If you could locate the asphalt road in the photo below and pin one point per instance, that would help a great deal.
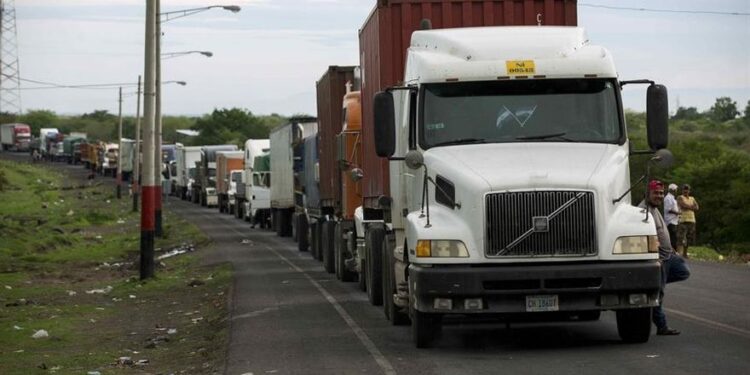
(290, 317)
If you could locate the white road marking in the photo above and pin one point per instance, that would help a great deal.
(707, 322)
(380, 359)
(383, 362)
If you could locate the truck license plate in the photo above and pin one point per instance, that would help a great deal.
(542, 303)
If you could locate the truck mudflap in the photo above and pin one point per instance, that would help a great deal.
(472, 289)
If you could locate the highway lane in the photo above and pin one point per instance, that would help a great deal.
(290, 317)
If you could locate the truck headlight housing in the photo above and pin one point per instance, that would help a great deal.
(441, 249)
(632, 245)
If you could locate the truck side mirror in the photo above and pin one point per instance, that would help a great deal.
(385, 127)
(657, 117)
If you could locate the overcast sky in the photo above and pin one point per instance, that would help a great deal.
(268, 57)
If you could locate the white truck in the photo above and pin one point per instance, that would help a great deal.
(510, 184)
(47, 136)
(185, 158)
(282, 140)
(243, 197)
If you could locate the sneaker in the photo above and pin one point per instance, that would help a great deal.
(666, 331)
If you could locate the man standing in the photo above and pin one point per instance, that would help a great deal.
(673, 267)
(686, 230)
(672, 214)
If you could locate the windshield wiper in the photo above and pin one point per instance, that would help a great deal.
(545, 136)
(461, 141)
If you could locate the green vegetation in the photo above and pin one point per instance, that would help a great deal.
(712, 154)
(68, 265)
(221, 126)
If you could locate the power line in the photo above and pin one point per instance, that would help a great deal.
(665, 10)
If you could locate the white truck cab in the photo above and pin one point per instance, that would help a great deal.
(510, 181)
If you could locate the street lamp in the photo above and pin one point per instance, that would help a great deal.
(161, 18)
(171, 55)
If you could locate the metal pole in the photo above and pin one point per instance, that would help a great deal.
(149, 185)
(157, 126)
(119, 148)
(136, 178)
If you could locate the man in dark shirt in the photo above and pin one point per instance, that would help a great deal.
(673, 267)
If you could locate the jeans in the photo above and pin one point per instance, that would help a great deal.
(673, 269)
(672, 229)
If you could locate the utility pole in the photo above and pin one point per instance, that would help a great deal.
(157, 125)
(136, 178)
(149, 185)
(119, 148)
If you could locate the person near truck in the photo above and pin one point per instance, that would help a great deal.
(672, 214)
(673, 267)
(686, 229)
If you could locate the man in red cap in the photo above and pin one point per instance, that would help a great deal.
(673, 267)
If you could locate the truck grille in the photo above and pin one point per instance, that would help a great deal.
(540, 224)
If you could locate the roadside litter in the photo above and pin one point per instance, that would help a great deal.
(182, 249)
(100, 291)
(40, 334)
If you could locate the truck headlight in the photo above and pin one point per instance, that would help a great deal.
(441, 249)
(631, 245)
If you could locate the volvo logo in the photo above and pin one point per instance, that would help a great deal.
(540, 224)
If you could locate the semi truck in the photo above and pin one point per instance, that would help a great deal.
(259, 209)
(283, 139)
(243, 197)
(504, 159)
(70, 144)
(324, 208)
(185, 159)
(204, 186)
(226, 163)
(15, 137)
(47, 136)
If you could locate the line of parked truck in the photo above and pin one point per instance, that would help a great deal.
(476, 163)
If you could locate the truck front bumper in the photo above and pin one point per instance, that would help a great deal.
(505, 288)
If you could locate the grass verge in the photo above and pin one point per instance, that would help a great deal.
(68, 265)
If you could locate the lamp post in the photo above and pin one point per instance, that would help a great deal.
(119, 145)
(149, 184)
(161, 18)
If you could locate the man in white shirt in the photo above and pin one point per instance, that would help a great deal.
(672, 214)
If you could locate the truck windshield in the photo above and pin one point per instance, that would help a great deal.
(548, 110)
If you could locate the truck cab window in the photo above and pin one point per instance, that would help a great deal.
(549, 110)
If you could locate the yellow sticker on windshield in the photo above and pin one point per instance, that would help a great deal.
(520, 67)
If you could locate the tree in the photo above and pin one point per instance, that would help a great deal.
(99, 115)
(689, 113)
(747, 113)
(229, 126)
(724, 109)
(40, 118)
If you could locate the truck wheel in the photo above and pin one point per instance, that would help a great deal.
(295, 226)
(362, 277)
(327, 239)
(634, 325)
(373, 245)
(302, 241)
(285, 223)
(339, 245)
(424, 327)
(392, 312)
(313, 237)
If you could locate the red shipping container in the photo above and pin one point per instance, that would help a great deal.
(331, 89)
(386, 35)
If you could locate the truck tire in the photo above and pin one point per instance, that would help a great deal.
(392, 312)
(425, 327)
(634, 325)
(339, 245)
(314, 243)
(285, 223)
(374, 237)
(295, 227)
(327, 239)
(362, 277)
(303, 243)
